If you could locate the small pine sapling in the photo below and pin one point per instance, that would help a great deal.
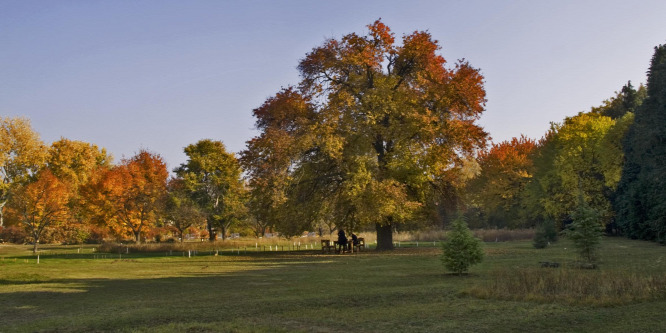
(461, 250)
(586, 231)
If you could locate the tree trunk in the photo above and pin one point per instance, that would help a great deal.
(2, 207)
(137, 237)
(211, 232)
(384, 236)
(34, 248)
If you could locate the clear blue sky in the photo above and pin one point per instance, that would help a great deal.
(159, 75)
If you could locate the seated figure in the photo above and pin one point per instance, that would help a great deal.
(342, 239)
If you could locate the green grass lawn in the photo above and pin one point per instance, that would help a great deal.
(403, 290)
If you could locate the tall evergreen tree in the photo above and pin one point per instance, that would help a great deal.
(641, 197)
(626, 100)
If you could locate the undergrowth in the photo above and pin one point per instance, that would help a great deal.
(571, 286)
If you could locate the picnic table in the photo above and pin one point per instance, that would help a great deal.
(327, 247)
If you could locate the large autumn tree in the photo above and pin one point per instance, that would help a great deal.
(22, 154)
(212, 176)
(382, 127)
(126, 198)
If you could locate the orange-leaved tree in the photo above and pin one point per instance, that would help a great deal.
(268, 158)
(76, 163)
(126, 197)
(506, 169)
(41, 204)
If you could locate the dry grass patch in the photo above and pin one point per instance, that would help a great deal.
(504, 235)
(486, 235)
(571, 286)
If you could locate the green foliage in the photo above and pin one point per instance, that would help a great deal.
(179, 209)
(461, 249)
(641, 195)
(545, 234)
(212, 178)
(583, 153)
(586, 231)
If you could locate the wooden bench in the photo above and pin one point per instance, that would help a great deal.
(360, 244)
(326, 246)
(350, 247)
(341, 248)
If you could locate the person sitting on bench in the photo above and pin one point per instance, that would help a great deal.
(342, 240)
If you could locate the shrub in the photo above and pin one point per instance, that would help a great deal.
(461, 250)
(545, 234)
(13, 234)
(73, 234)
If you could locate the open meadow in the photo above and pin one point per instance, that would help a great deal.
(74, 289)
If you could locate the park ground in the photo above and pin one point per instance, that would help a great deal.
(74, 289)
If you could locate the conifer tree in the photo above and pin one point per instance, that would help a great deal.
(585, 230)
(641, 196)
(461, 250)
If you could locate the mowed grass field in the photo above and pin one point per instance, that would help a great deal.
(399, 291)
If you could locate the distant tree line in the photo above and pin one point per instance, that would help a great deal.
(614, 156)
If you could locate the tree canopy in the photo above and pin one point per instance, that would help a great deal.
(22, 154)
(127, 197)
(212, 177)
(499, 189)
(377, 127)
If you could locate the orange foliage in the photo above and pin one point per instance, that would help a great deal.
(126, 197)
(41, 204)
(508, 156)
(505, 171)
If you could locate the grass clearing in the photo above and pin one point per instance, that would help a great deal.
(406, 289)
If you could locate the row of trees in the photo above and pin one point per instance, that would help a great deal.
(523, 182)
(375, 135)
(72, 192)
(611, 159)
